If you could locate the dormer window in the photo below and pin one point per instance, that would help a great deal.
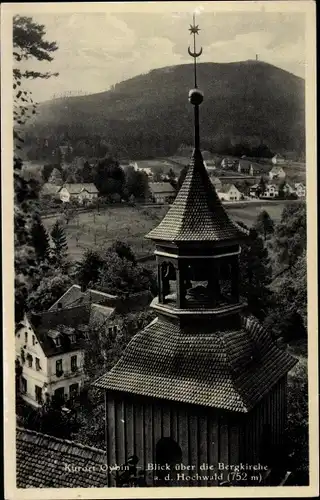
(57, 341)
(73, 338)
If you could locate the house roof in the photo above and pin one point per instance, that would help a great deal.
(225, 188)
(75, 297)
(276, 169)
(49, 188)
(45, 461)
(161, 187)
(59, 320)
(196, 213)
(230, 369)
(78, 188)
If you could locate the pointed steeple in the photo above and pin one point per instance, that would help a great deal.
(197, 213)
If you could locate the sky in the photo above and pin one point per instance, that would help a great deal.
(98, 50)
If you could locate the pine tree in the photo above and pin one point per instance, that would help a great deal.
(60, 242)
(264, 224)
(256, 273)
(40, 240)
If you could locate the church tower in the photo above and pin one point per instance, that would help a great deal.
(203, 387)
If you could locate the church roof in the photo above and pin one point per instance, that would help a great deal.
(230, 369)
(197, 213)
(45, 462)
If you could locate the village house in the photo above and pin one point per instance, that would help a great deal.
(278, 160)
(277, 173)
(300, 189)
(210, 165)
(82, 193)
(229, 192)
(271, 191)
(103, 307)
(286, 188)
(49, 189)
(50, 345)
(161, 192)
(50, 350)
(228, 163)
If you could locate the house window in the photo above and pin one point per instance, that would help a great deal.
(24, 385)
(58, 341)
(26, 337)
(73, 390)
(38, 394)
(33, 340)
(30, 359)
(38, 364)
(73, 363)
(59, 367)
(72, 338)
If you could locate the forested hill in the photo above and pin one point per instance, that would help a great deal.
(150, 114)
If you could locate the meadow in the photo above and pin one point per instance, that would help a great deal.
(98, 230)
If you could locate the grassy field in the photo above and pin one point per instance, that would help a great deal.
(131, 224)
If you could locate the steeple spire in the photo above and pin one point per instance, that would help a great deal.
(195, 95)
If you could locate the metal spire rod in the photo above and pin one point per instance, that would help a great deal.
(195, 95)
(194, 30)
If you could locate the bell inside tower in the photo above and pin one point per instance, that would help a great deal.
(193, 283)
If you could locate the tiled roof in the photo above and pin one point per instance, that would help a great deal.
(48, 462)
(161, 187)
(197, 213)
(230, 369)
(77, 188)
(45, 322)
(49, 188)
(225, 188)
(74, 296)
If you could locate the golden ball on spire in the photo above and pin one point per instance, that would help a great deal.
(195, 97)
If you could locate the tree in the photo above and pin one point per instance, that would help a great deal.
(40, 240)
(28, 43)
(55, 177)
(87, 173)
(298, 423)
(171, 175)
(290, 237)
(123, 250)
(47, 171)
(50, 289)
(264, 224)
(157, 174)
(136, 183)
(88, 269)
(59, 241)
(109, 177)
(182, 176)
(122, 277)
(281, 191)
(255, 275)
(261, 187)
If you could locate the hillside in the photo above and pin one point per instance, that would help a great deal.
(150, 114)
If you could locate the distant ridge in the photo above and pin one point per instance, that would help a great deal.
(243, 101)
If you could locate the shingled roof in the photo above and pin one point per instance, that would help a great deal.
(48, 462)
(230, 369)
(197, 213)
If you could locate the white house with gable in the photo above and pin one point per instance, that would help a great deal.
(81, 193)
(229, 192)
(51, 358)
